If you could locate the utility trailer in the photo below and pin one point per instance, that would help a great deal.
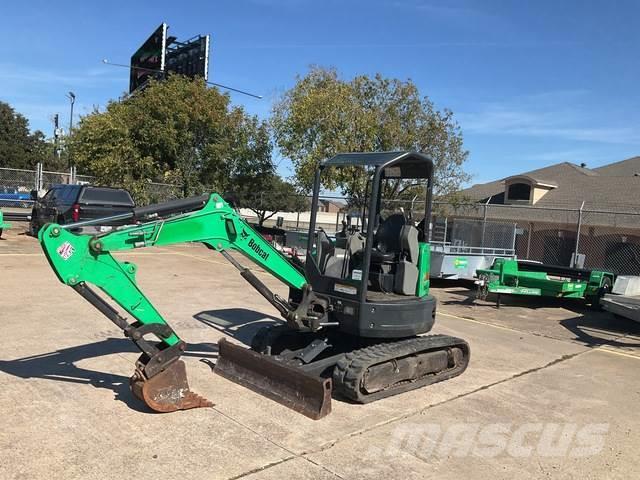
(520, 277)
(624, 301)
(461, 247)
(456, 262)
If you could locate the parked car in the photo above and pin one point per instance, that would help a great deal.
(65, 204)
(13, 197)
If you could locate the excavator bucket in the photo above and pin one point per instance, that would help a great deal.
(168, 390)
(287, 385)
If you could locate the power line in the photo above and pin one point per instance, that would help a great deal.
(151, 70)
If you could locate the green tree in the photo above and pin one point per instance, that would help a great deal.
(19, 148)
(175, 131)
(275, 195)
(323, 115)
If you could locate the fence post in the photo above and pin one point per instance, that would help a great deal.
(575, 254)
(38, 180)
(484, 221)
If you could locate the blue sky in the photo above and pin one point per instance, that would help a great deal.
(530, 82)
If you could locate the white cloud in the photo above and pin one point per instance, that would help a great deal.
(18, 75)
(549, 114)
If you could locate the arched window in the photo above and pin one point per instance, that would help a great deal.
(519, 191)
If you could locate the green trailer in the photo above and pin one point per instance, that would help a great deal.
(519, 277)
(3, 225)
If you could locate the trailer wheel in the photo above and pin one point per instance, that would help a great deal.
(606, 287)
(482, 291)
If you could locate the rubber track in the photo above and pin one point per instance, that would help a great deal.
(348, 373)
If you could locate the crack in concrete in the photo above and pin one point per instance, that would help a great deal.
(260, 469)
(327, 446)
(293, 455)
(330, 445)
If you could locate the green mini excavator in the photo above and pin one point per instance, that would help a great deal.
(354, 316)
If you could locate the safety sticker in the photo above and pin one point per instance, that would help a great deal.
(65, 250)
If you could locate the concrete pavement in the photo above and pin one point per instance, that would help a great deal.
(551, 391)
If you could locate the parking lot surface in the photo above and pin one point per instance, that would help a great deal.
(552, 390)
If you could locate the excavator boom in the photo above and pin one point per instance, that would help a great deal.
(83, 261)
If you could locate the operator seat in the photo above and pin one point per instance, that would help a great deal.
(325, 250)
(406, 277)
(386, 242)
(385, 252)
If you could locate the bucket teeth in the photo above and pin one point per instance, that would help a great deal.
(167, 391)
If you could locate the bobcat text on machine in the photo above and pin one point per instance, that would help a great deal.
(355, 313)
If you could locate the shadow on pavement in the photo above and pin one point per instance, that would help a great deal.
(60, 366)
(468, 297)
(594, 330)
(239, 323)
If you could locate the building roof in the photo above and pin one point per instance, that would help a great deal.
(624, 168)
(613, 187)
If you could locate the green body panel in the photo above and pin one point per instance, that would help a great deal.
(4, 225)
(84, 258)
(424, 262)
(505, 277)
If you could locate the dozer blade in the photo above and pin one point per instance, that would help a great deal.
(168, 390)
(287, 385)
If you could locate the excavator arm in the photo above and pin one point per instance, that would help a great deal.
(83, 261)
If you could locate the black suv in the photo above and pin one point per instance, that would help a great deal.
(73, 203)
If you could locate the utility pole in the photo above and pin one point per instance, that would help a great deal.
(72, 98)
(57, 133)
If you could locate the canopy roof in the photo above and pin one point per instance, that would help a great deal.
(411, 164)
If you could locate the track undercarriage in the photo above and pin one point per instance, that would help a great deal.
(354, 368)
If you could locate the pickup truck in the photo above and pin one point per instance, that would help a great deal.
(12, 197)
(65, 204)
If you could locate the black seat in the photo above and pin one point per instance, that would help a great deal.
(386, 241)
(380, 257)
(325, 250)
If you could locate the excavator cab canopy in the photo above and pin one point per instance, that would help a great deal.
(402, 164)
(386, 262)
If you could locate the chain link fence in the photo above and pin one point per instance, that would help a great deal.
(17, 184)
(606, 240)
(593, 239)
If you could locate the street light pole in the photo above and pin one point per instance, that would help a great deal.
(72, 98)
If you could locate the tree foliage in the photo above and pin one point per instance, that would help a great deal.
(19, 148)
(274, 195)
(176, 131)
(323, 115)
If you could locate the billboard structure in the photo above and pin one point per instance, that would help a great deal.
(190, 58)
(160, 54)
(149, 59)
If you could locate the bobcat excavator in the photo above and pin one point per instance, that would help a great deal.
(354, 316)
